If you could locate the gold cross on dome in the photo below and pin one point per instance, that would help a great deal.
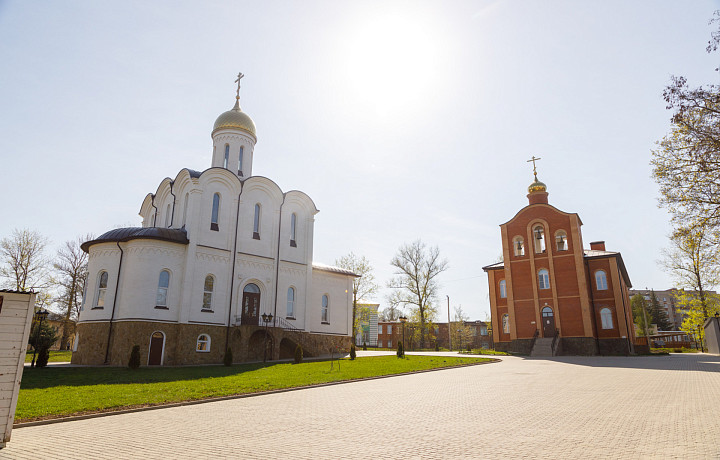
(533, 159)
(240, 75)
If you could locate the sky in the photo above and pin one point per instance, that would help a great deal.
(401, 120)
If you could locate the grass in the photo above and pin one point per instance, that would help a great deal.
(55, 356)
(484, 351)
(57, 392)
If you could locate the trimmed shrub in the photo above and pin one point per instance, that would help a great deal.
(353, 355)
(228, 358)
(437, 346)
(134, 362)
(43, 357)
(364, 346)
(400, 351)
(298, 355)
(469, 348)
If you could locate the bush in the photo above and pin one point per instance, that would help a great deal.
(364, 346)
(134, 362)
(228, 359)
(437, 346)
(43, 357)
(299, 355)
(400, 351)
(678, 350)
(469, 348)
(353, 355)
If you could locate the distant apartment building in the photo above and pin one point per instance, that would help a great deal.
(367, 331)
(668, 301)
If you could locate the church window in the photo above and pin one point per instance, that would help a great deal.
(256, 222)
(506, 324)
(76, 341)
(293, 225)
(185, 208)
(519, 246)
(162, 290)
(167, 216)
(203, 343)
(215, 212)
(561, 240)
(208, 293)
(291, 302)
(240, 160)
(227, 156)
(503, 289)
(389, 344)
(601, 280)
(539, 237)
(543, 279)
(606, 318)
(324, 311)
(101, 289)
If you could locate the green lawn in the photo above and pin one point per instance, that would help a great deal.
(56, 392)
(55, 356)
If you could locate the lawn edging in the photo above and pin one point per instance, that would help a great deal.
(131, 409)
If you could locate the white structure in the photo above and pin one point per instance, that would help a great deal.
(217, 249)
(16, 312)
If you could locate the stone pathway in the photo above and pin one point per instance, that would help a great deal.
(570, 407)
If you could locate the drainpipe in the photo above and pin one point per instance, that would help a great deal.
(152, 203)
(232, 273)
(112, 315)
(277, 260)
(172, 214)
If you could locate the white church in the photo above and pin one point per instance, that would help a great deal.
(219, 251)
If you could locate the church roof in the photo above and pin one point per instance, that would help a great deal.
(172, 235)
(330, 268)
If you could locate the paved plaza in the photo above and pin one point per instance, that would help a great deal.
(570, 407)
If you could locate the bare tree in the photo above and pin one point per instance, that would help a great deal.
(22, 260)
(415, 283)
(460, 331)
(363, 286)
(70, 277)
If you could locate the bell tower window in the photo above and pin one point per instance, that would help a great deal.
(240, 160)
(561, 240)
(539, 237)
(519, 246)
(227, 156)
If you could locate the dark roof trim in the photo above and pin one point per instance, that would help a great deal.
(607, 255)
(172, 235)
(495, 266)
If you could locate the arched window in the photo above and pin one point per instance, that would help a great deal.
(606, 318)
(227, 156)
(519, 246)
(506, 324)
(539, 237)
(208, 293)
(256, 222)
(185, 208)
(101, 289)
(240, 159)
(291, 302)
(215, 212)
(503, 289)
(601, 280)
(561, 240)
(293, 225)
(203, 343)
(543, 279)
(162, 290)
(76, 341)
(324, 310)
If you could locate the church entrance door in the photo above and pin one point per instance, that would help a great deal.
(548, 321)
(157, 340)
(251, 305)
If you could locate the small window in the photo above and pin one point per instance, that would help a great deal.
(167, 216)
(162, 290)
(506, 324)
(543, 279)
(76, 341)
(324, 311)
(208, 293)
(215, 213)
(539, 237)
(561, 240)
(601, 280)
(227, 156)
(380, 344)
(606, 318)
(389, 344)
(185, 208)
(519, 246)
(293, 225)
(291, 302)
(256, 222)
(203, 343)
(101, 289)
(240, 161)
(503, 289)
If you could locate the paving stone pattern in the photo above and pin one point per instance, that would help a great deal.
(569, 407)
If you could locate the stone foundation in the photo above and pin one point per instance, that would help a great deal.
(571, 346)
(577, 346)
(521, 346)
(614, 347)
(246, 342)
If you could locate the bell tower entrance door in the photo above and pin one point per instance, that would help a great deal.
(548, 322)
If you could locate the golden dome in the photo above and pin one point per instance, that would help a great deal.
(537, 186)
(235, 119)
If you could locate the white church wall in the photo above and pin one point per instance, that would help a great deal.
(293, 275)
(218, 181)
(264, 192)
(215, 262)
(102, 257)
(338, 289)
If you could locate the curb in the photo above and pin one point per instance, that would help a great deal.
(73, 418)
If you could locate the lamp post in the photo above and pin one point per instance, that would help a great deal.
(402, 320)
(449, 335)
(41, 315)
(266, 317)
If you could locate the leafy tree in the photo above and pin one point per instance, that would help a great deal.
(41, 339)
(22, 260)
(640, 316)
(390, 313)
(657, 314)
(686, 162)
(415, 283)
(695, 311)
(363, 286)
(70, 277)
